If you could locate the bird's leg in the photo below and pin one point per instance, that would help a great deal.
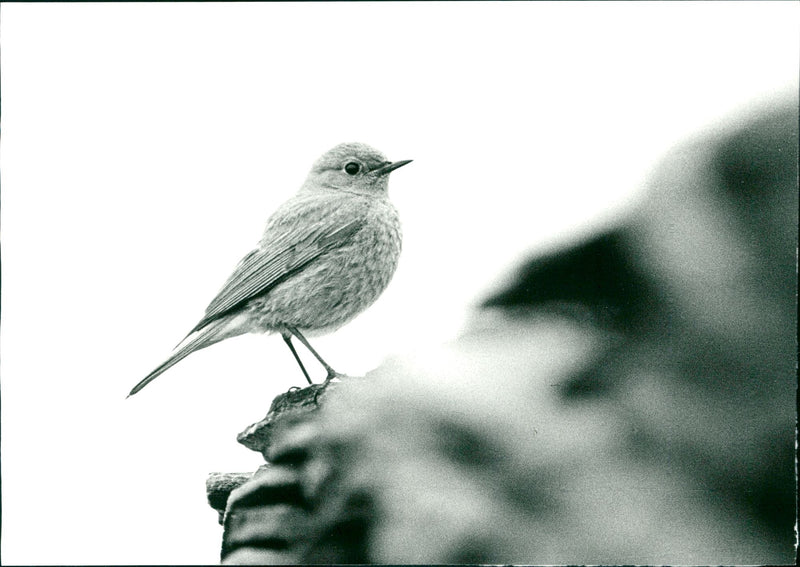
(331, 372)
(288, 339)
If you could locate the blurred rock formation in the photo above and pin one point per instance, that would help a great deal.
(629, 400)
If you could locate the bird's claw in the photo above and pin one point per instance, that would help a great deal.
(333, 375)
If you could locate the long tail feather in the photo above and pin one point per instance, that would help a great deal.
(212, 333)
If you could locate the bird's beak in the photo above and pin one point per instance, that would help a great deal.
(391, 166)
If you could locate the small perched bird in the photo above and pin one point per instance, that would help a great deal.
(326, 255)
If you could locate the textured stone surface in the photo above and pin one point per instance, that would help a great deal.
(219, 487)
(287, 408)
(265, 518)
(271, 518)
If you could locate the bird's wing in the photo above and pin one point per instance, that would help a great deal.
(277, 258)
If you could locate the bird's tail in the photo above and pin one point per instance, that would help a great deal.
(207, 336)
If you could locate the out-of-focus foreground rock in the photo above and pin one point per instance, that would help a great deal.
(628, 400)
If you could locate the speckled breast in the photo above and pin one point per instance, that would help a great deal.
(338, 285)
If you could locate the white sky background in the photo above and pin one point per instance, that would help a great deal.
(145, 145)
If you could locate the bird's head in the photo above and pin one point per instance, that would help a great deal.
(352, 167)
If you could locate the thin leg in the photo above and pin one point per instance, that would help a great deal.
(288, 339)
(331, 372)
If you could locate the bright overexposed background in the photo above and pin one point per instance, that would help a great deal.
(144, 146)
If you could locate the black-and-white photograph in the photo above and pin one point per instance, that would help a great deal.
(399, 282)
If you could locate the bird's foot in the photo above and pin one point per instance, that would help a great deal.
(333, 375)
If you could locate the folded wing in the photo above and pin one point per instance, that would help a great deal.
(276, 259)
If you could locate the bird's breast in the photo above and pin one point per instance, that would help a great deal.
(345, 280)
(368, 262)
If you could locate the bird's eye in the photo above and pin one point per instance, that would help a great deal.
(352, 168)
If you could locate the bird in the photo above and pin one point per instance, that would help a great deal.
(326, 254)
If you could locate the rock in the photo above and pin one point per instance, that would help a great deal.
(220, 485)
(286, 409)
